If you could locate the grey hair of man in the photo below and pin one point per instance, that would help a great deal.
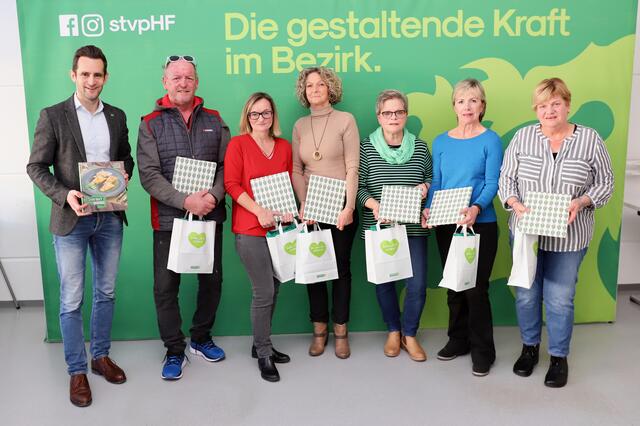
(166, 65)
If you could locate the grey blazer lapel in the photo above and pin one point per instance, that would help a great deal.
(74, 126)
(112, 123)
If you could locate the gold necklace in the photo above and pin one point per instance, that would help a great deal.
(316, 154)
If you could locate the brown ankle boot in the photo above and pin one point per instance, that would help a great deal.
(341, 336)
(392, 346)
(413, 348)
(320, 337)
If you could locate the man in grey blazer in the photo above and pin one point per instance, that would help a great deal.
(80, 129)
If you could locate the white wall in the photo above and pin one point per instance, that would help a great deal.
(629, 272)
(19, 251)
(18, 234)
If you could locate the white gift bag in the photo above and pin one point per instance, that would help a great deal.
(282, 247)
(461, 267)
(387, 254)
(315, 256)
(525, 259)
(191, 249)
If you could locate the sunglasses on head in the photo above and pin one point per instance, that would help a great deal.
(176, 58)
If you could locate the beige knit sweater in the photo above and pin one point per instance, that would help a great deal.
(340, 149)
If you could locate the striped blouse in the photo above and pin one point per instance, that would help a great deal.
(375, 172)
(581, 167)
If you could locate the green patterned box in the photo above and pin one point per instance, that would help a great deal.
(191, 175)
(547, 215)
(325, 199)
(274, 192)
(446, 205)
(400, 203)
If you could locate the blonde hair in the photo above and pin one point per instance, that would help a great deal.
(330, 78)
(389, 94)
(550, 88)
(470, 85)
(245, 123)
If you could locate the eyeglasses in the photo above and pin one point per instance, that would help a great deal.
(176, 58)
(254, 116)
(401, 113)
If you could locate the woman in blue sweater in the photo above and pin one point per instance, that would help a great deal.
(469, 155)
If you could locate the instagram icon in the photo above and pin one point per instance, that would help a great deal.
(92, 25)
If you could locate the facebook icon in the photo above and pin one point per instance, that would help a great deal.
(68, 25)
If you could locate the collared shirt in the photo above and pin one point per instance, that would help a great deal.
(95, 132)
(581, 167)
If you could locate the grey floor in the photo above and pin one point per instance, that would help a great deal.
(368, 388)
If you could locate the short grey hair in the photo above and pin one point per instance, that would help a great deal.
(389, 94)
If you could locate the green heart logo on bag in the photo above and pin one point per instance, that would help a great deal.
(290, 248)
(390, 247)
(535, 248)
(318, 249)
(470, 255)
(197, 240)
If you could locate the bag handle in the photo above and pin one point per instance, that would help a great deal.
(465, 230)
(279, 227)
(189, 216)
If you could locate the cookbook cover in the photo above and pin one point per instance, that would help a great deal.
(104, 186)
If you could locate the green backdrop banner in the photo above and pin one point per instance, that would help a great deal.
(420, 47)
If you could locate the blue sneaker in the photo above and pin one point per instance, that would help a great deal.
(172, 369)
(207, 350)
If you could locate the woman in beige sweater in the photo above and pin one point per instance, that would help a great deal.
(327, 143)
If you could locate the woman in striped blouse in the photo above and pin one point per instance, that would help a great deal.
(393, 156)
(554, 156)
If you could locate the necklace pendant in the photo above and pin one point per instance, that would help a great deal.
(316, 155)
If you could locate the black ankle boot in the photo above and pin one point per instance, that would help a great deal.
(528, 359)
(268, 369)
(558, 372)
(278, 357)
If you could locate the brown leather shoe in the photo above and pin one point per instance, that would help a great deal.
(392, 346)
(320, 338)
(341, 336)
(107, 368)
(413, 348)
(79, 390)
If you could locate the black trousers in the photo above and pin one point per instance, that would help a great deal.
(470, 322)
(341, 291)
(166, 285)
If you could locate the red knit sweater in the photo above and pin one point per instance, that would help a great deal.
(244, 161)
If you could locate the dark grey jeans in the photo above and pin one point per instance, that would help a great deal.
(166, 286)
(254, 254)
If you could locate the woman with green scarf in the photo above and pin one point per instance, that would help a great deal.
(391, 155)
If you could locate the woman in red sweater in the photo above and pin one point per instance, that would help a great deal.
(255, 153)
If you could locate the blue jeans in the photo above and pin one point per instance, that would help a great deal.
(102, 234)
(416, 291)
(555, 285)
